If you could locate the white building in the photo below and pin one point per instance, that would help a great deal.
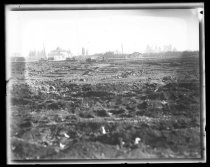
(59, 55)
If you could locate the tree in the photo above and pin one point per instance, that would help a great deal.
(32, 54)
(167, 48)
(109, 54)
(148, 49)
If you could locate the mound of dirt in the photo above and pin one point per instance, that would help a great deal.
(23, 150)
(101, 113)
(86, 115)
(117, 111)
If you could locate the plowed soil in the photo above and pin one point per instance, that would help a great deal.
(59, 109)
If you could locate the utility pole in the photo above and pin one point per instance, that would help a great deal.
(124, 55)
(122, 48)
(122, 51)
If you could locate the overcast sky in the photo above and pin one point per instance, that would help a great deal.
(101, 30)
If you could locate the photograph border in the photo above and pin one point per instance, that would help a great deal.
(41, 7)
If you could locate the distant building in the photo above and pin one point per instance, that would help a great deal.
(59, 55)
(135, 55)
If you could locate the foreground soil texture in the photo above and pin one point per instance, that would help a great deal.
(123, 109)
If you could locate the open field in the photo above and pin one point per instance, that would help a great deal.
(125, 109)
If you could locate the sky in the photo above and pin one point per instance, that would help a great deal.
(100, 31)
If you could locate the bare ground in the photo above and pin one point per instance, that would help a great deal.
(59, 108)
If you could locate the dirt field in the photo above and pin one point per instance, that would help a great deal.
(133, 109)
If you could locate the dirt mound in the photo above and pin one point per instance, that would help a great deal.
(143, 105)
(117, 111)
(101, 113)
(23, 150)
(86, 115)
